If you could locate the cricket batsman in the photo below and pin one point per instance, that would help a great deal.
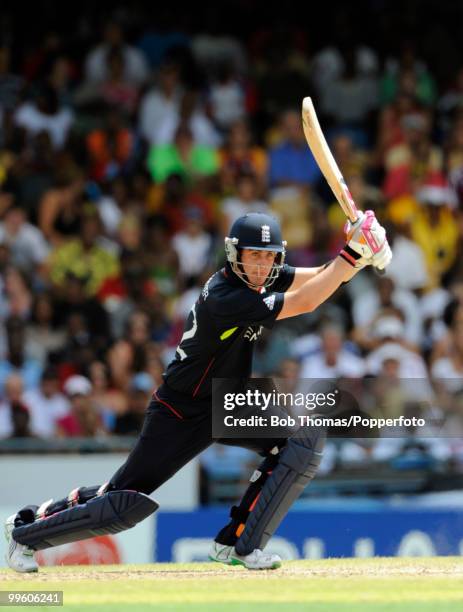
(254, 290)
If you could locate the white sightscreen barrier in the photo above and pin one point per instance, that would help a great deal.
(32, 479)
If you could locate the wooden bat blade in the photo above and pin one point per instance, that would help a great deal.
(325, 160)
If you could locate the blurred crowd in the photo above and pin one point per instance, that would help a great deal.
(122, 169)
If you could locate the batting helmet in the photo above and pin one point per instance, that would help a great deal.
(259, 232)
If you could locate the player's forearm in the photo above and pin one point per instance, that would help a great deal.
(302, 275)
(318, 289)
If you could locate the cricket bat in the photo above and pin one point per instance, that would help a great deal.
(326, 162)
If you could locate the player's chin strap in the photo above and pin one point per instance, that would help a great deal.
(87, 512)
(298, 462)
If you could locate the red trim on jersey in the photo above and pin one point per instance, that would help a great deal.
(203, 376)
(171, 408)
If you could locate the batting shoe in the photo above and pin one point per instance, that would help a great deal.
(18, 556)
(220, 553)
(257, 560)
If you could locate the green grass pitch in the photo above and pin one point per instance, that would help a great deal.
(331, 585)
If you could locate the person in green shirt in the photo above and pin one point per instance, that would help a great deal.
(183, 157)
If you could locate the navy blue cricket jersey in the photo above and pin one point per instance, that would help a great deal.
(220, 331)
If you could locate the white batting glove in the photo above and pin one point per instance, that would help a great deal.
(366, 236)
(366, 242)
(381, 259)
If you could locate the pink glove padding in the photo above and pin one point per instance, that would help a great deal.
(366, 236)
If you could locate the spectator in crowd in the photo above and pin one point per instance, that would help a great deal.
(435, 229)
(161, 322)
(17, 297)
(212, 49)
(138, 332)
(120, 295)
(451, 101)
(11, 84)
(154, 366)
(414, 162)
(328, 64)
(122, 196)
(120, 360)
(159, 45)
(239, 156)
(135, 67)
(110, 148)
(115, 91)
(59, 210)
(191, 114)
(386, 298)
(20, 420)
(447, 371)
(177, 198)
(108, 208)
(391, 127)
(140, 389)
(83, 257)
(161, 258)
(44, 337)
(350, 99)
(26, 242)
(61, 78)
(332, 359)
(161, 102)
(226, 98)
(282, 71)
(83, 419)
(16, 360)
(14, 413)
(44, 114)
(454, 157)
(389, 333)
(408, 74)
(408, 266)
(193, 246)
(73, 300)
(184, 157)
(245, 200)
(80, 347)
(46, 404)
(291, 162)
(110, 402)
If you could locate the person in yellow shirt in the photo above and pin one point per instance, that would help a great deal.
(84, 257)
(435, 230)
